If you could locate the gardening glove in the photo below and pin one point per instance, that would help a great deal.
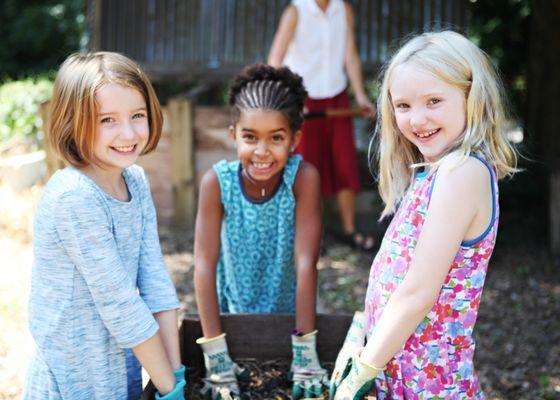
(357, 379)
(176, 394)
(180, 374)
(221, 373)
(308, 377)
(355, 339)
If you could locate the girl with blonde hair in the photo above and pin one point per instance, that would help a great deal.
(442, 148)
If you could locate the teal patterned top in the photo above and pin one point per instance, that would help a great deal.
(256, 270)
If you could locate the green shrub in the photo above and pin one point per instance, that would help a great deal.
(38, 35)
(20, 121)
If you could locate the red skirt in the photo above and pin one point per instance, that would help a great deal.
(328, 144)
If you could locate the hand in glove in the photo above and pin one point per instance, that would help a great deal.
(308, 376)
(221, 372)
(180, 374)
(355, 339)
(357, 379)
(176, 394)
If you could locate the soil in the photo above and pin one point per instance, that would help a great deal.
(517, 333)
(266, 381)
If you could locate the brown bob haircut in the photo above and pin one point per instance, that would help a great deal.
(74, 109)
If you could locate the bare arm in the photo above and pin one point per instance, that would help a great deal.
(153, 357)
(283, 36)
(169, 332)
(459, 195)
(354, 67)
(306, 245)
(206, 253)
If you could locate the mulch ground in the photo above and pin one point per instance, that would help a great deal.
(517, 332)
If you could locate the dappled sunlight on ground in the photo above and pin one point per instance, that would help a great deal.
(16, 344)
(518, 330)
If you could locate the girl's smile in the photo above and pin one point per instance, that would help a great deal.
(260, 168)
(264, 142)
(122, 126)
(424, 135)
(429, 112)
(124, 150)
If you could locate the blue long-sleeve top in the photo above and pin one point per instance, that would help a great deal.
(97, 279)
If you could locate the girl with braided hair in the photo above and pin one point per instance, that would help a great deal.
(258, 229)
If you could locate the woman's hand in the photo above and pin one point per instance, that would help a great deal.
(367, 107)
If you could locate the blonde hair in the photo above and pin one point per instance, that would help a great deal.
(454, 59)
(74, 108)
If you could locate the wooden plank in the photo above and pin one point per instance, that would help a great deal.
(170, 33)
(95, 26)
(264, 336)
(176, 38)
(182, 161)
(554, 211)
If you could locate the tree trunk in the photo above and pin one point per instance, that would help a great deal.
(544, 105)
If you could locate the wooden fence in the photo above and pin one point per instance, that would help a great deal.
(183, 39)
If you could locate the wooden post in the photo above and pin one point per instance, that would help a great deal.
(554, 212)
(52, 160)
(182, 160)
(94, 22)
(543, 87)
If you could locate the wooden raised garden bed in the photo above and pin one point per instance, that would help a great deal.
(262, 344)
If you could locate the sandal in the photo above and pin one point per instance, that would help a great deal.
(363, 241)
(358, 240)
(368, 242)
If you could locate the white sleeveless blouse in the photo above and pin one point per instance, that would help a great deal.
(317, 51)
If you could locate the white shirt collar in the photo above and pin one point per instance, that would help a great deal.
(331, 8)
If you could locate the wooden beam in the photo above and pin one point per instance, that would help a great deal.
(264, 336)
(554, 212)
(182, 160)
(94, 21)
(543, 83)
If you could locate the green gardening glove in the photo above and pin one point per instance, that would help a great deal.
(308, 376)
(221, 372)
(357, 379)
(355, 339)
(176, 394)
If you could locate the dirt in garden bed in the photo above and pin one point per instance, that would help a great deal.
(266, 380)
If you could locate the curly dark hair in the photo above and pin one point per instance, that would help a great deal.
(265, 87)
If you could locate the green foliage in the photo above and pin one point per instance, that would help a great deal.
(20, 121)
(38, 35)
(501, 28)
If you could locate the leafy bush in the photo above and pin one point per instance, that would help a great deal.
(20, 121)
(38, 35)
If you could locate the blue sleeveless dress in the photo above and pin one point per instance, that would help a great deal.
(256, 269)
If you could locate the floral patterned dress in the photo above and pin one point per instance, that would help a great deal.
(436, 361)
